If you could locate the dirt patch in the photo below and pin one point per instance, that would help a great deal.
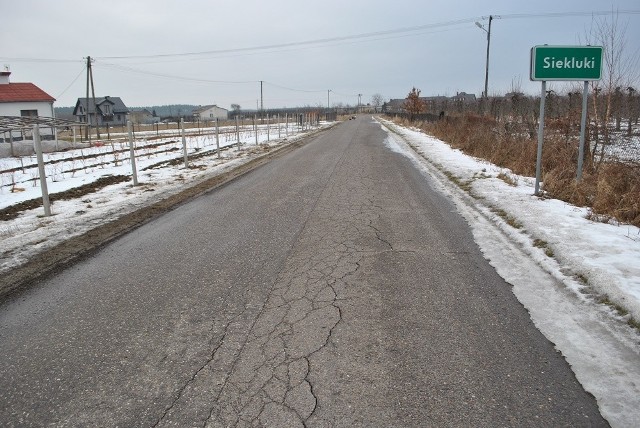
(13, 211)
(83, 246)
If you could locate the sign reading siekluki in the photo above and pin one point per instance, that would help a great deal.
(566, 63)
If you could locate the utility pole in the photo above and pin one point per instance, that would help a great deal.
(328, 99)
(359, 102)
(261, 101)
(93, 95)
(87, 104)
(87, 130)
(486, 73)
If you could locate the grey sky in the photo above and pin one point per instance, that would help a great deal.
(441, 60)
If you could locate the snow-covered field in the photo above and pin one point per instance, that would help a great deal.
(559, 263)
(32, 232)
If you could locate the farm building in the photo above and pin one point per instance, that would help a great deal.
(210, 113)
(26, 100)
(143, 116)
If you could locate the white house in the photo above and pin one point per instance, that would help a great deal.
(210, 113)
(27, 100)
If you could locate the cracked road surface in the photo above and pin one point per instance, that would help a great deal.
(331, 287)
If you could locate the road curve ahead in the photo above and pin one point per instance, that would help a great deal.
(331, 287)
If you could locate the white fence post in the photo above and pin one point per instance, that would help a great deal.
(43, 178)
(237, 135)
(255, 128)
(184, 144)
(132, 155)
(217, 138)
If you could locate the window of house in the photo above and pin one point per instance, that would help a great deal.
(29, 113)
(107, 109)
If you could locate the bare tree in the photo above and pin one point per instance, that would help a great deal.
(376, 101)
(620, 70)
(632, 108)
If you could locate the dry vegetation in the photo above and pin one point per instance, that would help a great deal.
(610, 187)
(503, 130)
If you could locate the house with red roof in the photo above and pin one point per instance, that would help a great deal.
(24, 99)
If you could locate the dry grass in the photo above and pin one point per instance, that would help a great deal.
(612, 190)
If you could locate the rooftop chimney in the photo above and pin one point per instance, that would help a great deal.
(4, 76)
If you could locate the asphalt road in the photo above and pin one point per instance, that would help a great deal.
(330, 287)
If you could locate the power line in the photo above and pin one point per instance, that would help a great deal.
(369, 35)
(333, 40)
(302, 43)
(41, 60)
(169, 76)
(565, 14)
(292, 49)
(294, 90)
(72, 82)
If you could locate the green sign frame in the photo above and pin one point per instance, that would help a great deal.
(566, 63)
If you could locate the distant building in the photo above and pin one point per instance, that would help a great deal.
(106, 110)
(438, 102)
(394, 106)
(143, 116)
(210, 113)
(464, 97)
(27, 100)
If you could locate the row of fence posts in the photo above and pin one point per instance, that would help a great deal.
(308, 119)
(303, 120)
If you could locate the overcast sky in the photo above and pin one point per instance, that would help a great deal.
(154, 52)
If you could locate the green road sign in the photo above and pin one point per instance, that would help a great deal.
(566, 63)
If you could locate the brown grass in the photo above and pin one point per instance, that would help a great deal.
(612, 191)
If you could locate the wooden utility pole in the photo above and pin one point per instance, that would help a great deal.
(261, 104)
(86, 106)
(93, 95)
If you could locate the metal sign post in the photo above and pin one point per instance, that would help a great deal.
(543, 93)
(564, 63)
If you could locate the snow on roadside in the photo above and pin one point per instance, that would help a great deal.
(603, 351)
(606, 255)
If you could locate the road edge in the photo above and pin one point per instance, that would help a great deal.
(77, 248)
